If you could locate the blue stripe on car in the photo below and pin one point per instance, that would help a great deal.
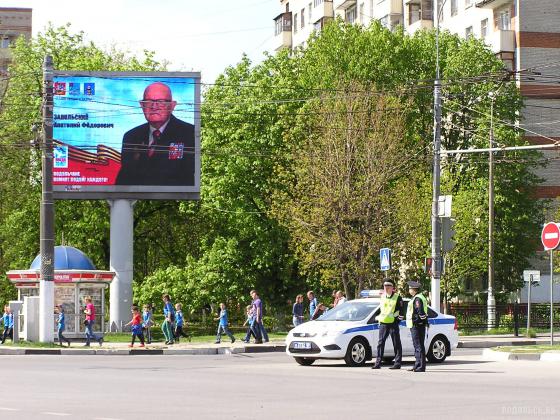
(371, 327)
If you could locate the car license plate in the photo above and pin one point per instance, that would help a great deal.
(302, 345)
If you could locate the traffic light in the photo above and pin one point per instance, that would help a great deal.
(447, 234)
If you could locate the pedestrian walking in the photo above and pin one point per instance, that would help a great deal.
(90, 320)
(391, 313)
(249, 323)
(258, 323)
(8, 321)
(169, 314)
(147, 322)
(223, 327)
(61, 325)
(179, 323)
(297, 311)
(312, 303)
(136, 323)
(417, 321)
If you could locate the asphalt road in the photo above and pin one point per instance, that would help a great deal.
(272, 386)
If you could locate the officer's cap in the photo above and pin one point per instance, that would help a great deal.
(388, 283)
(414, 285)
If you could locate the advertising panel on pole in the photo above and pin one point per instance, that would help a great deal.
(133, 135)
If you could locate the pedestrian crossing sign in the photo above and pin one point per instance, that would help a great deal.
(385, 258)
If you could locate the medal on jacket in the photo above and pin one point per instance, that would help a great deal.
(176, 151)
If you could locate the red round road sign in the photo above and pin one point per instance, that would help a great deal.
(550, 236)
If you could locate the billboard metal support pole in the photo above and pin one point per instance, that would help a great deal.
(121, 261)
(46, 290)
(529, 304)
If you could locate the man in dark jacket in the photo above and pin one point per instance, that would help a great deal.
(160, 152)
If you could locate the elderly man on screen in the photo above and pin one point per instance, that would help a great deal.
(161, 151)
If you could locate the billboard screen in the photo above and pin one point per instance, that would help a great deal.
(126, 135)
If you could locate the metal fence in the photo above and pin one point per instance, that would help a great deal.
(510, 316)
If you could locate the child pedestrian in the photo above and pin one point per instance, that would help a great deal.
(8, 320)
(136, 323)
(223, 325)
(61, 325)
(249, 323)
(147, 322)
(167, 325)
(179, 322)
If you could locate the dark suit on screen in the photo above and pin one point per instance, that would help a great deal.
(171, 164)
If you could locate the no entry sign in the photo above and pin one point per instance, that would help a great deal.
(550, 236)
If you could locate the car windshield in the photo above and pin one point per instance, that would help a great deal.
(349, 311)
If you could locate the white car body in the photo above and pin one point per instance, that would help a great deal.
(355, 341)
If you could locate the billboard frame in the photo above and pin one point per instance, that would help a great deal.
(138, 192)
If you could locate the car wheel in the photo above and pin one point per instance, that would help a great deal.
(437, 352)
(304, 361)
(357, 353)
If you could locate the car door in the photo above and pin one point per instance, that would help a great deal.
(374, 336)
(406, 337)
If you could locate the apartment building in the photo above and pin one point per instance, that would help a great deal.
(525, 34)
(14, 22)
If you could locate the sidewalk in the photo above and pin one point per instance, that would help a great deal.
(108, 348)
(488, 341)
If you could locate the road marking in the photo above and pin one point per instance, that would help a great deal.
(52, 413)
(105, 418)
(9, 409)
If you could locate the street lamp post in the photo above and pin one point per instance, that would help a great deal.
(491, 303)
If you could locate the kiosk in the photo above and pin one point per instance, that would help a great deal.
(75, 277)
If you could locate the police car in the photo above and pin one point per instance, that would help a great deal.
(350, 332)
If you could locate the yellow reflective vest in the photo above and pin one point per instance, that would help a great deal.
(410, 308)
(388, 306)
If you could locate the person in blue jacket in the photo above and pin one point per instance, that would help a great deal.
(61, 325)
(223, 325)
(8, 320)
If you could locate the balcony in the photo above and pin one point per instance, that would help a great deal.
(322, 10)
(388, 7)
(493, 4)
(343, 4)
(503, 41)
(420, 15)
(283, 31)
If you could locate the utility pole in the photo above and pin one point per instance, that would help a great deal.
(46, 290)
(491, 303)
(436, 225)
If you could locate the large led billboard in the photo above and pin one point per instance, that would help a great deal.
(126, 135)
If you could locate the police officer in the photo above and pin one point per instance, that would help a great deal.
(389, 317)
(417, 321)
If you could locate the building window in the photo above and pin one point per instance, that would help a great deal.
(351, 14)
(439, 10)
(317, 2)
(362, 17)
(295, 23)
(384, 21)
(483, 28)
(302, 17)
(413, 13)
(5, 43)
(283, 23)
(504, 20)
(454, 7)
(309, 14)
(287, 7)
(468, 32)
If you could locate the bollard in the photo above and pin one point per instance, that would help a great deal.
(516, 319)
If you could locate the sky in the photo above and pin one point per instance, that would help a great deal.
(192, 35)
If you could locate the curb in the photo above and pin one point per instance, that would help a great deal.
(503, 356)
(490, 344)
(205, 351)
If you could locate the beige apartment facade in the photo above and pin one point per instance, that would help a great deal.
(525, 34)
(14, 22)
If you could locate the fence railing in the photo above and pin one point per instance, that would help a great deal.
(511, 316)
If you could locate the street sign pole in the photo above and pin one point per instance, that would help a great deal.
(529, 304)
(551, 298)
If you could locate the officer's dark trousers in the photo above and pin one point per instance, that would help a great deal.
(384, 331)
(418, 335)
